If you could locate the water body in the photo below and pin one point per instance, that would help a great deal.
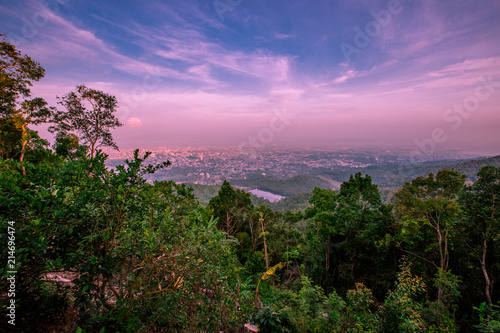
(266, 195)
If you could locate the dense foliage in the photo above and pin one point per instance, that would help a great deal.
(100, 249)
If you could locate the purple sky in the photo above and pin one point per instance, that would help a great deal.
(241, 72)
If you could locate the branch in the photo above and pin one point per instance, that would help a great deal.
(416, 255)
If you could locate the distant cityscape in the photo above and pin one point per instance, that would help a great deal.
(211, 165)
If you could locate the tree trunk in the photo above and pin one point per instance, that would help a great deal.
(92, 148)
(486, 276)
(441, 262)
(327, 254)
(228, 224)
(24, 141)
(265, 244)
(253, 236)
(488, 287)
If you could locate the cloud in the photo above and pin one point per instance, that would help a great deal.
(283, 36)
(71, 44)
(345, 76)
(467, 67)
(134, 122)
(177, 66)
(187, 54)
(453, 77)
(259, 63)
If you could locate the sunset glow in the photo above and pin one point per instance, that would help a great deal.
(347, 73)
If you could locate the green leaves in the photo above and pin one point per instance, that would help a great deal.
(17, 111)
(430, 206)
(347, 229)
(489, 318)
(271, 271)
(402, 309)
(90, 113)
(135, 247)
(16, 73)
(232, 207)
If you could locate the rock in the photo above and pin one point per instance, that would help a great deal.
(250, 328)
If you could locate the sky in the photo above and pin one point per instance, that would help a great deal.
(424, 74)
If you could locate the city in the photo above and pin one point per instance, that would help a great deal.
(211, 165)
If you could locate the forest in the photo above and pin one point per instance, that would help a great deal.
(86, 248)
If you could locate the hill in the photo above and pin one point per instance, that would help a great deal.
(294, 203)
(471, 168)
(285, 187)
(395, 175)
(297, 190)
(204, 192)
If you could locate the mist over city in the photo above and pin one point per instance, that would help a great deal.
(328, 73)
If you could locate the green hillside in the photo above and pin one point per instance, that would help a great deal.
(285, 187)
(204, 192)
(394, 175)
(298, 189)
(296, 202)
(471, 168)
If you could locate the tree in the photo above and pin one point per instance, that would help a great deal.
(364, 224)
(90, 113)
(431, 204)
(402, 311)
(322, 218)
(231, 207)
(482, 223)
(350, 228)
(17, 111)
(34, 112)
(17, 72)
(66, 144)
(148, 256)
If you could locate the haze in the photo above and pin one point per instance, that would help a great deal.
(229, 72)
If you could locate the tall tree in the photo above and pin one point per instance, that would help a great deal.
(17, 72)
(34, 112)
(17, 110)
(89, 113)
(232, 208)
(348, 227)
(482, 224)
(430, 204)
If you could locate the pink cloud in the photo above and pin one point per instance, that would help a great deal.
(134, 122)
(259, 64)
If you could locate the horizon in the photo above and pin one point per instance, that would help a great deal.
(238, 73)
(403, 154)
